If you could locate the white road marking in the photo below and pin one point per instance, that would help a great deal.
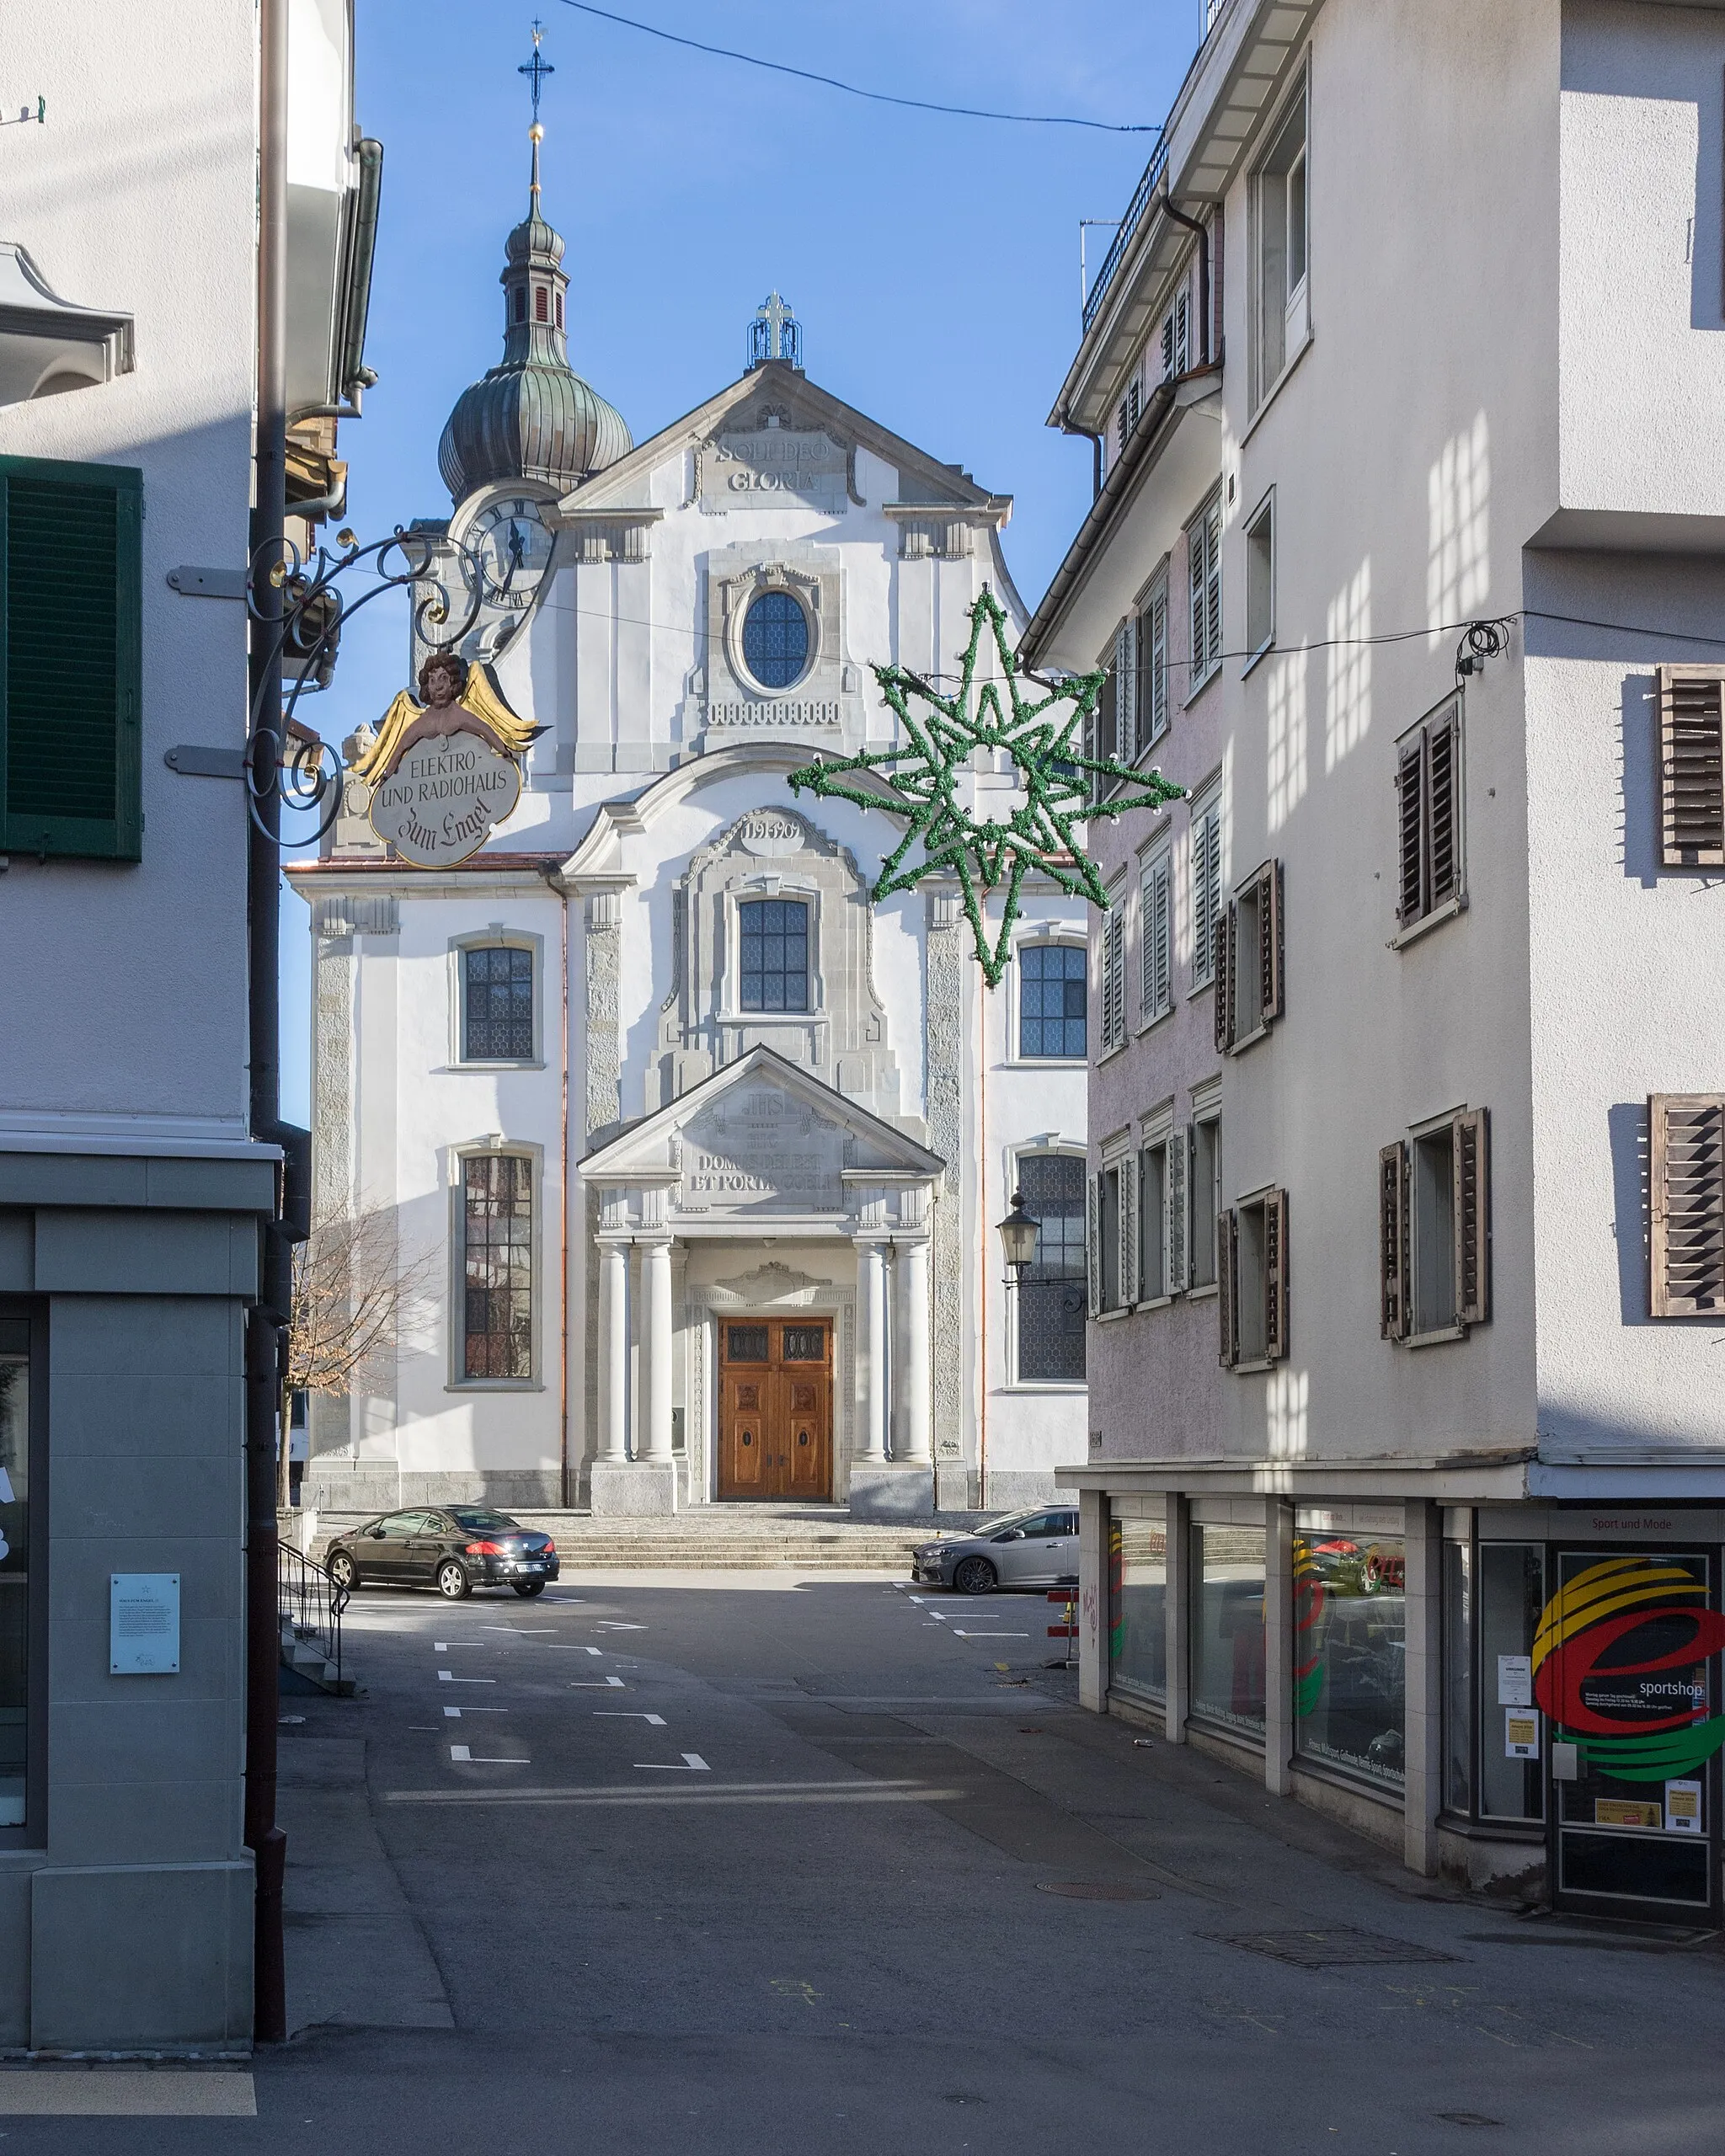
(693, 1764)
(959, 1635)
(562, 1648)
(455, 1714)
(629, 1714)
(599, 1684)
(449, 1677)
(615, 1625)
(443, 1646)
(461, 1754)
(522, 1632)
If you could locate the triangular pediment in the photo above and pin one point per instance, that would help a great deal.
(761, 1137)
(798, 404)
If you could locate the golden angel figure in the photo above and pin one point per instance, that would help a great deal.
(459, 698)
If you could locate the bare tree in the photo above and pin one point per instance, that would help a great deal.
(350, 1289)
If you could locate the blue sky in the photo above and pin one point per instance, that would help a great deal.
(932, 261)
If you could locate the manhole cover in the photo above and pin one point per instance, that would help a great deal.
(1098, 1889)
(1339, 1946)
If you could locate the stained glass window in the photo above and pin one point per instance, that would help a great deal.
(1051, 1001)
(775, 969)
(774, 639)
(498, 1012)
(1051, 1292)
(498, 1266)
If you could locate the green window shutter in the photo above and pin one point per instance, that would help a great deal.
(71, 603)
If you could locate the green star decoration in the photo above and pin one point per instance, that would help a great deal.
(920, 781)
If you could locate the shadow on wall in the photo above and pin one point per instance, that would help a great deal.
(1628, 1124)
(1641, 779)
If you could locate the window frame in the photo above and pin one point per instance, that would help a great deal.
(495, 938)
(1151, 701)
(1413, 754)
(1204, 594)
(1017, 1380)
(1206, 811)
(52, 835)
(1210, 1123)
(1254, 1228)
(1691, 767)
(751, 1012)
(1264, 552)
(491, 1147)
(1663, 1305)
(1112, 1031)
(1047, 940)
(1156, 931)
(1293, 302)
(810, 633)
(32, 1833)
(1403, 1236)
(1256, 899)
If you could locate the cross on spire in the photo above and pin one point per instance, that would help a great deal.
(535, 70)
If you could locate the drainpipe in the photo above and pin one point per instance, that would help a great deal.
(264, 1322)
(1095, 441)
(1197, 225)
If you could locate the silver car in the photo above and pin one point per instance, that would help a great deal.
(1035, 1548)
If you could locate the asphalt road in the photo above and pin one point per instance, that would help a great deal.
(747, 1863)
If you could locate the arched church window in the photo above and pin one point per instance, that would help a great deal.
(539, 303)
(775, 954)
(774, 639)
(1052, 1301)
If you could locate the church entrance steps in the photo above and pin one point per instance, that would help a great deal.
(753, 1537)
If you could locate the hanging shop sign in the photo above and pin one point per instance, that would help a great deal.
(445, 772)
(1620, 1668)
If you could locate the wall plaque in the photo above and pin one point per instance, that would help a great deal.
(143, 1624)
(765, 469)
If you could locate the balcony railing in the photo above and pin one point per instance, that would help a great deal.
(1135, 209)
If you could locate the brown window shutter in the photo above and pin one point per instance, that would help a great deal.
(1269, 940)
(1443, 776)
(1392, 1242)
(1691, 768)
(1227, 939)
(1686, 1243)
(1275, 1276)
(1227, 1288)
(1410, 783)
(1472, 1153)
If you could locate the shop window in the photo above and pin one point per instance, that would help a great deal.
(1458, 1676)
(497, 1267)
(1350, 1602)
(1227, 1627)
(1051, 1290)
(1512, 1595)
(14, 1569)
(1138, 1633)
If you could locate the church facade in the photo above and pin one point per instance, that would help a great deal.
(691, 1156)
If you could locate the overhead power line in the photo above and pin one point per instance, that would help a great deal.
(854, 90)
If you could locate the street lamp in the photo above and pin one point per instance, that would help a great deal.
(1018, 1233)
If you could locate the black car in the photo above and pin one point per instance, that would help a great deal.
(455, 1548)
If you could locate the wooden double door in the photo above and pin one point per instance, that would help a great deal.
(775, 1412)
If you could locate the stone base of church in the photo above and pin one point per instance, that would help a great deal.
(892, 1490)
(635, 1489)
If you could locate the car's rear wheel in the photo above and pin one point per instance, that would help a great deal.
(344, 1571)
(452, 1581)
(524, 1588)
(975, 1575)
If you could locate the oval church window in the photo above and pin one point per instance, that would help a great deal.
(774, 639)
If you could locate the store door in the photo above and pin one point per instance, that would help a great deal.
(775, 1408)
(1623, 1676)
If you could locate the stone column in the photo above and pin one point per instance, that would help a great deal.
(912, 1438)
(655, 1350)
(614, 1352)
(871, 1351)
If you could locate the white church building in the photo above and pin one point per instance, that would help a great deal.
(693, 1155)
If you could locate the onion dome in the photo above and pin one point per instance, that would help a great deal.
(533, 416)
